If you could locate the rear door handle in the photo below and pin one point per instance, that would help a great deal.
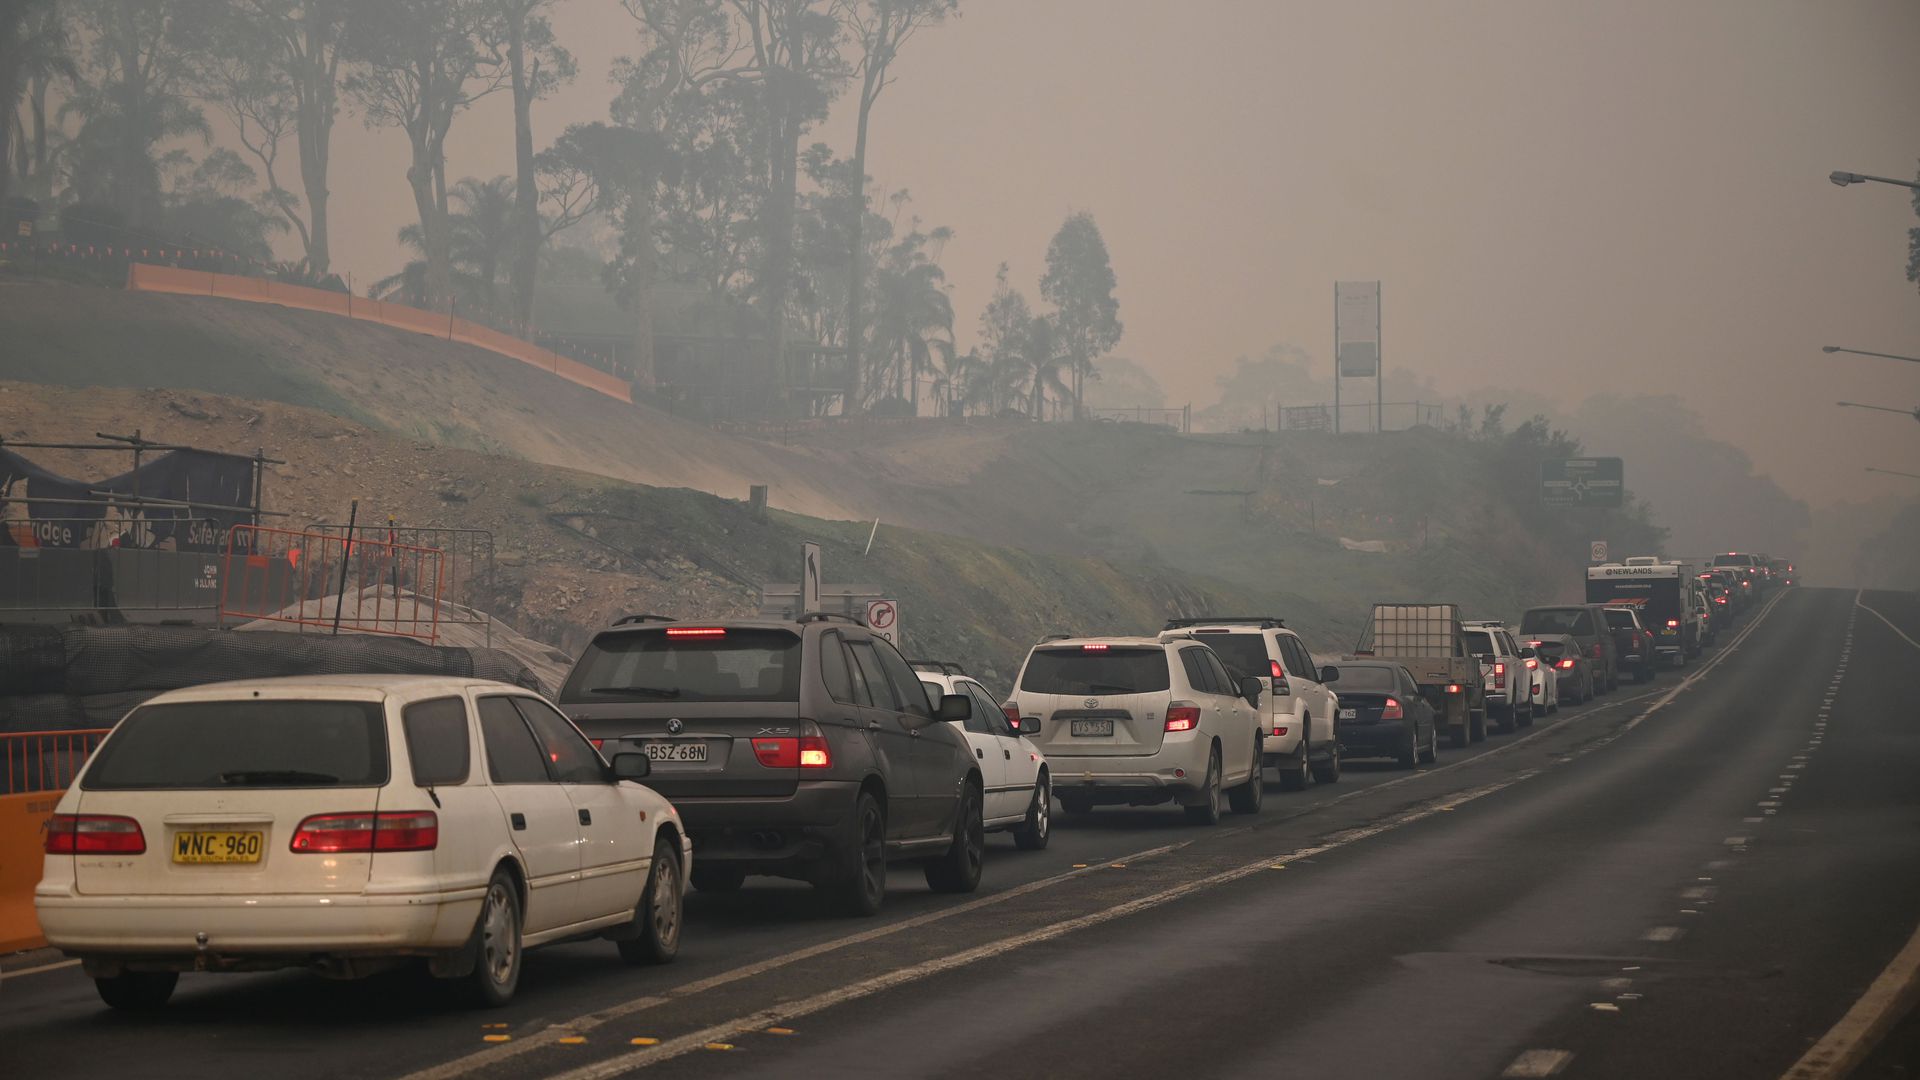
(1007, 753)
(519, 822)
(586, 817)
(981, 754)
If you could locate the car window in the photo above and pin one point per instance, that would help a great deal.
(1620, 620)
(1479, 643)
(1295, 659)
(1408, 687)
(512, 755)
(1199, 676)
(833, 670)
(1224, 683)
(1078, 671)
(570, 757)
(688, 663)
(995, 714)
(879, 693)
(1310, 668)
(190, 745)
(437, 741)
(906, 686)
(1369, 679)
(1241, 652)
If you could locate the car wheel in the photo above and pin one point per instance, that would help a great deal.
(1246, 798)
(137, 991)
(1208, 811)
(1505, 722)
(958, 871)
(1295, 773)
(1477, 727)
(1033, 833)
(720, 878)
(1328, 772)
(862, 879)
(658, 912)
(1411, 757)
(496, 944)
(1433, 745)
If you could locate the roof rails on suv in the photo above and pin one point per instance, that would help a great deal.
(630, 620)
(943, 667)
(1264, 622)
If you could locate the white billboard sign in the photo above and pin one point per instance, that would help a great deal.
(1356, 328)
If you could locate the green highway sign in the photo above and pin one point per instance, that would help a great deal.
(1581, 482)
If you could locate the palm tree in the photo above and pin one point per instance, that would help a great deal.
(913, 316)
(1044, 363)
(482, 224)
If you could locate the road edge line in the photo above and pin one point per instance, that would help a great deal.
(1859, 1033)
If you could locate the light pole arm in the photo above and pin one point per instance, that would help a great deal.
(1845, 178)
(1863, 352)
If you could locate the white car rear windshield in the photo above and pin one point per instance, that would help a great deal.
(688, 664)
(1077, 670)
(1479, 643)
(250, 744)
(1244, 654)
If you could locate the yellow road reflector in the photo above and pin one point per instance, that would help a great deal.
(1079, 866)
(779, 1031)
(496, 1038)
(1117, 866)
(643, 1042)
(719, 1046)
(572, 1040)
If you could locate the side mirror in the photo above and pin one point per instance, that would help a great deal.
(1250, 688)
(1527, 654)
(631, 766)
(957, 708)
(1027, 725)
(1329, 674)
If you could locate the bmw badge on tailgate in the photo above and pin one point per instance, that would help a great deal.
(674, 726)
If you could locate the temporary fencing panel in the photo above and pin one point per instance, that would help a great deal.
(273, 574)
(35, 767)
(143, 277)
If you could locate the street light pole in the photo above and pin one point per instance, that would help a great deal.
(1863, 352)
(1894, 472)
(1915, 413)
(1842, 179)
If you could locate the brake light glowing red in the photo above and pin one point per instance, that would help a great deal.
(1453, 688)
(1279, 675)
(1673, 624)
(1183, 717)
(1012, 709)
(1093, 648)
(807, 751)
(396, 830)
(1566, 665)
(1532, 664)
(94, 834)
(1499, 676)
(1280, 732)
(1393, 711)
(696, 631)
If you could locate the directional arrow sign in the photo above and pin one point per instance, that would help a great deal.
(1582, 482)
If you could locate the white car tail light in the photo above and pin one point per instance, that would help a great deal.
(403, 830)
(94, 834)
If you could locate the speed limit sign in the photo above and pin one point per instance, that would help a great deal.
(883, 618)
(1599, 553)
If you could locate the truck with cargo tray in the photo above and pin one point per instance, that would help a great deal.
(1427, 640)
(1663, 592)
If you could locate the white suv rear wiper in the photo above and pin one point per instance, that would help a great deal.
(645, 691)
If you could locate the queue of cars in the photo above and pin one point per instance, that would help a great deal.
(348, 824)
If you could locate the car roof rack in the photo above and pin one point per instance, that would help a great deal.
(1055, 637)
(826, 616)
(1264, 622)
(943, 667)
(630, 620)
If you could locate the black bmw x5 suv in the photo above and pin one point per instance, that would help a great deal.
(804, 749)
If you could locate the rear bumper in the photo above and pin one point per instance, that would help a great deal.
(125, 926)
(1386, 739)
(1178, 769)
(770, 835)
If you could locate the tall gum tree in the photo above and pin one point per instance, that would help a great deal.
(1079, 283)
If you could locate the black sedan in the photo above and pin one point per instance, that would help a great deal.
(1382, 714)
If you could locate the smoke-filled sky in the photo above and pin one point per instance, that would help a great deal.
(1560, 197)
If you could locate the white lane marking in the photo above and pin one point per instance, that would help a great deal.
(1841, 1050)
(1532, 1064)
(782, 1014)
(1662, 933)
(1702, 671)
(1883, 618)
(41, 970)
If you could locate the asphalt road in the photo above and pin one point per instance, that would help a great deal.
(1696, 878)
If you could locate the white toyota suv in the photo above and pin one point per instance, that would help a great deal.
(1300, 712)
(1138, 721)
(347, 823)
(1016, 793)
(1503, 664)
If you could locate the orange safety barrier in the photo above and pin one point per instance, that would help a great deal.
(324, 579)
(144, 277)
(36, 766)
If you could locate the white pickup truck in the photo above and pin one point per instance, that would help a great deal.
(1504, 674)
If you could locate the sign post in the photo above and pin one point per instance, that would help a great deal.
(1356, 343)
(883, 618)
(810, 578)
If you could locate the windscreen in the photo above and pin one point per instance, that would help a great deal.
(1479, 642)
(1087, 672)
(1620, 620)
(1244, 654)
(688, 665)
(1732, 560)
(1557, 621)
(252, 744)
(1550, 650)
(1367, 679)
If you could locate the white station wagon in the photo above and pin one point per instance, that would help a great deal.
(348, 823)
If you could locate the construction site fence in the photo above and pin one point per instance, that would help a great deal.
(466, 559)
(111, 578)
(145, 277)
(326, 580)
(35, 768)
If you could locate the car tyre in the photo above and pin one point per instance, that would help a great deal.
(496, 945)
(1207, 812)
(720, 878)
(137, 991)
(658, 915)
(1297, 771)
(1328, 771)
(1432, 753)
(861, 882)
(958, 871)
(1032, 834)
(1246, 798)
(1411, 757)
(1477, 726)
